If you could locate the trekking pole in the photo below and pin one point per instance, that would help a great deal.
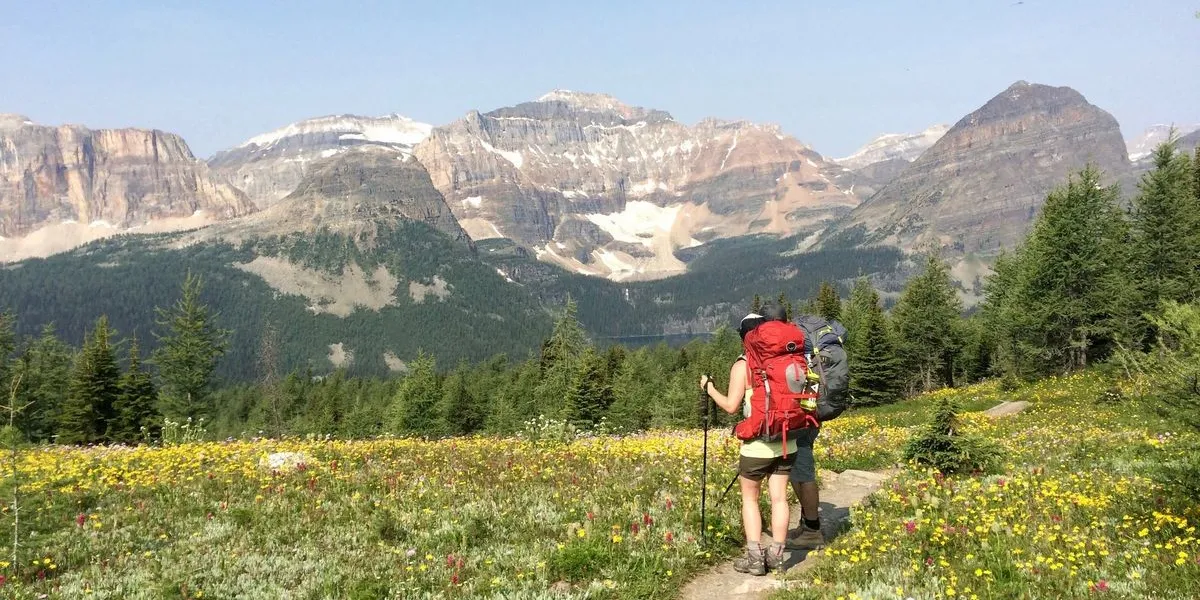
(727, 488)
(704, 468)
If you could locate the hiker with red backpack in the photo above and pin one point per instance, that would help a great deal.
(771, 378)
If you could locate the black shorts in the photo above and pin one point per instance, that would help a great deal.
(755, 469)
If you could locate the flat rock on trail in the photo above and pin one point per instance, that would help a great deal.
(1005, 409)
(839, 491)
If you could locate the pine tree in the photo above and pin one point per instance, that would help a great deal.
(459, 411)
(999, 291)
(863, 299)
(786, 304)
(560, 364)
(875, 370)
(829, 304)
(135, 408)
(1072, 289)
(95, 386)
(941, 444)
(633, 392)
(756, 304)
(188, 353)
(1163, 227)
(593, 392)
(414, 409)
(8, 345)
(45, 371)
(925, 318)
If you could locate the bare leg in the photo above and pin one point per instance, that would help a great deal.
(777, 487)
(751, 517)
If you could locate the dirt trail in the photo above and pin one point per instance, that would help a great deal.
(839, 492)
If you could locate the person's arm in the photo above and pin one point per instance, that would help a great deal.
(731, 401)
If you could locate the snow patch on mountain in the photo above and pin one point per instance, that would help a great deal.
(907, 146)
(390, 129)
(1144, 145)
(585, 100)
(638, 223)
(513, 157)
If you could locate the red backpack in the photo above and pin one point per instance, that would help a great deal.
(779, 380)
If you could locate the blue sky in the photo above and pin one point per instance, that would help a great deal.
(833, 74)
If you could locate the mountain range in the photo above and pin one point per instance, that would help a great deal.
(351, 225)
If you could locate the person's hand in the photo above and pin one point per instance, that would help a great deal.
(704, 381)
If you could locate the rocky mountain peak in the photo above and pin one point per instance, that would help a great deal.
(1024, 98)
(352, 192)
(889, 146)
(269, 166)
(604, 188)
(978, 188)
(586, 101)
(13, 121)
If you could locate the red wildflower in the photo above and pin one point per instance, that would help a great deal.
(647, 520)
(910, 526)
(80, 519)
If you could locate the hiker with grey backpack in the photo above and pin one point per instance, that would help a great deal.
(829, 377)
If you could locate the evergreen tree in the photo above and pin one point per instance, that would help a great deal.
(459, 410)
(637, 384)
(1164, 248)
(8, 345)
(875, 370)
(560, 365)
(829, 304)
(324, 404)
(95, 386)
(135, 407)
(567, 340)
(925, 319)
(593, 392)
(863, 300)
(188, 353)
(786, 304)
(414, 409)
(756, 304)
(45, 371)
(1072, 289)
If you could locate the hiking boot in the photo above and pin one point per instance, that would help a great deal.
(773, 558)
(805, 538)
(752, 562)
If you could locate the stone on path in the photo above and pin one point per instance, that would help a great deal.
(1005, 409)
(839, 491)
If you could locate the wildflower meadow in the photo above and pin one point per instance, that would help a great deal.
(1073, 513)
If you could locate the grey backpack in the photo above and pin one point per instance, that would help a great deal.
(823, 345)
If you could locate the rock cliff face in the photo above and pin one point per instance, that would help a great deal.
(268, 167)
(981, 185)
(351, 193)
(62, 186)
(610, 189)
